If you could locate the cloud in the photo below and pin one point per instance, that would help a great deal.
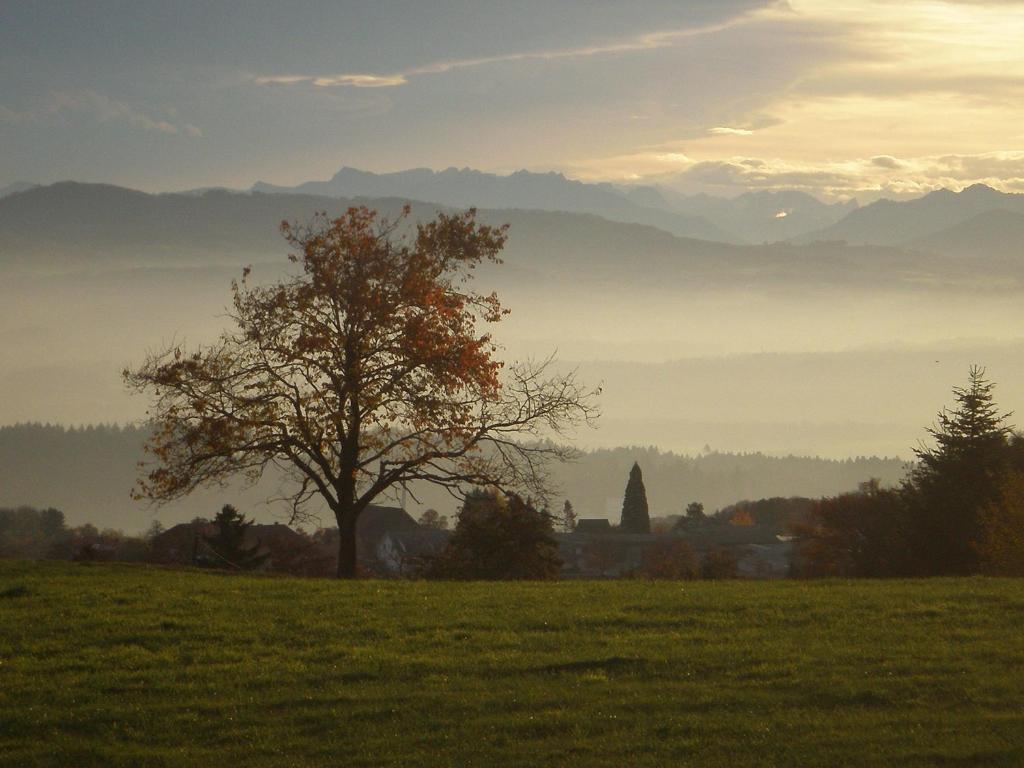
(878, 176)
(355, 81)
(970, 49)
(904, 98)
(860, 80)
(645, 42)
(972, 168)
(886, 161)
(58, 106)
(361, 81)
(866, 179)
(13, 117)
(743, 172)
(676, 158)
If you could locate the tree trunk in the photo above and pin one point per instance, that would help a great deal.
(346, 545)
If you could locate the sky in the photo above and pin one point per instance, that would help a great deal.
(839, 98)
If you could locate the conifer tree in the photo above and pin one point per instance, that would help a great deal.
(956, 478)
(500, 536)
(228, 543)
(635, 515)
(568, 519)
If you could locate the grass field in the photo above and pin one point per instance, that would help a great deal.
(119, 665)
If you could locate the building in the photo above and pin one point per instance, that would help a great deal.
(186, 544)
(406, 553)
(596, 550)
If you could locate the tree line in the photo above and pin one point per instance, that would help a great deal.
(88, 471)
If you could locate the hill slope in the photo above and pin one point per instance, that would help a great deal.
(997, 233)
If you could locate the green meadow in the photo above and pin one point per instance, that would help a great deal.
(124, 665)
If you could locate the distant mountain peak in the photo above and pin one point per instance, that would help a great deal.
(523, 173)
(16, 187)
(978, 190)
(982, 190)
(347, 171)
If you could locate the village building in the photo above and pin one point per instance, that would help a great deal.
(290, 551)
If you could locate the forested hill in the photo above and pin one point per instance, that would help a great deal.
(88, 473)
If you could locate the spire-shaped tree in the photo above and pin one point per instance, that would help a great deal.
(568, 518)
(957, 477)
(635, 515)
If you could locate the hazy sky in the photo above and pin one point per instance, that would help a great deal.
(838, 97)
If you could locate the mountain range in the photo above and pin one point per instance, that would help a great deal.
(463, 188)
(978, 220)
(957, 224)
(753, 217)
(18, 186)
(946, 222)
(71, 225)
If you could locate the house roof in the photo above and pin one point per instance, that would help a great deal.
(425, 541)
(377, 520)
(181, 536)
(705, 536)
(274, 534)
(593, 525)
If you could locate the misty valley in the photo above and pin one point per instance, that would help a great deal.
(511, 384)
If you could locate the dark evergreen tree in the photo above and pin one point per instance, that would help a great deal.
(635, 516)
(499, 537)
(228, 543)
(568, 519)
(956, 478)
